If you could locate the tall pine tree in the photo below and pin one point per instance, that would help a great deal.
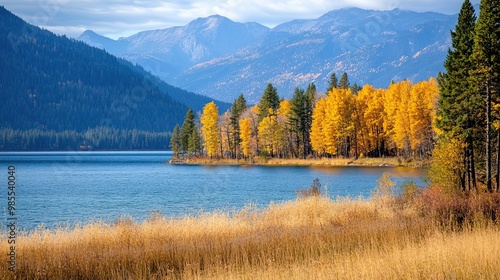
(194, 142)
(239, 105)
(486, 76)
(458, 104)
(175, 141)
(187, 130)
(333, 83)
(269, 100)
(344, 81)
(301, 110)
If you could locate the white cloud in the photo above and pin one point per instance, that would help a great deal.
(117, 18)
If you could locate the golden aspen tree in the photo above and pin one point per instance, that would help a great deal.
(402, 122)
(446, 167)
(225, 129)
(329, 125)
(245, 135)
(255, 109)
(421, 109)
(284, 108)
(283, 121)
(252, 113)
(210, 129)
(270, 134)
(363, 99)
(349, 126)
(340, 106)
(392, 100)
(317, 137)
(338, 127)
(374, 116)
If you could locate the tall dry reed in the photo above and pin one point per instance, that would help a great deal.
(314, 236)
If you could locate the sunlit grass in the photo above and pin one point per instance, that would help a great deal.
(362, 161)
(309, 238)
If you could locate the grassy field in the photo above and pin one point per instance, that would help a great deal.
(418, 235)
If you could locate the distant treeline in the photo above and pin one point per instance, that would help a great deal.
(100, 138)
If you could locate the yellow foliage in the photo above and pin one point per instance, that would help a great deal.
(210, 128)
(255, 109)
(446, 169)
(402, 121)
(245, 135)
(284, 108)
(225, 129)
(370, 107)
(317, 135)
(338, 125)
(270, 134)
(392, 100)
(422, 113)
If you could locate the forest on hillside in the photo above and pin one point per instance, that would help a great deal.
(57, 92)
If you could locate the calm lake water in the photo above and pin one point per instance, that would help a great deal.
(66, 187)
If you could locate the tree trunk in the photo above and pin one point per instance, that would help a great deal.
(472, 165)
(304, 143)
(488, 136)
(465, 177)
(497, 187)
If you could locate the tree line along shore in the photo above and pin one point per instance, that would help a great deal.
(346, 122)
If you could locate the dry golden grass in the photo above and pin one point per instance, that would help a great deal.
(310, 238)
(467, 255)
(363, 161)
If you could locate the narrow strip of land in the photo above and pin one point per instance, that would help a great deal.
(340, 162)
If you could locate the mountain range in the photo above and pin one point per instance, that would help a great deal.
(53, 87)
(220, 58)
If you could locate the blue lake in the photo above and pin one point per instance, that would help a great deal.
(69, 187)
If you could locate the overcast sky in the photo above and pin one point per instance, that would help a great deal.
(117, 18)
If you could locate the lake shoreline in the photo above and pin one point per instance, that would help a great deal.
(322, 162)
(313, 236)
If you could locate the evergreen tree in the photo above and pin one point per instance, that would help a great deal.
(297, 117)
(269, 100)
(486, 74)
(194, 142)
(333, 83)
(239, 105)
(311, 93)
(187, 129)
(310, 98)
(458, 104)
(355, 88)
(301, 110)
(175, 141)
(344, 82)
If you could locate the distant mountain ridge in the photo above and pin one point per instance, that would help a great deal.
(50, 84)
(169, 51)
(220, 58)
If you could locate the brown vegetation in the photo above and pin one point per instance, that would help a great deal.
(364, 161)
(419, 234)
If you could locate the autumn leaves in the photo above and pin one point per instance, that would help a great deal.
(376, 122)
(398, 120)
